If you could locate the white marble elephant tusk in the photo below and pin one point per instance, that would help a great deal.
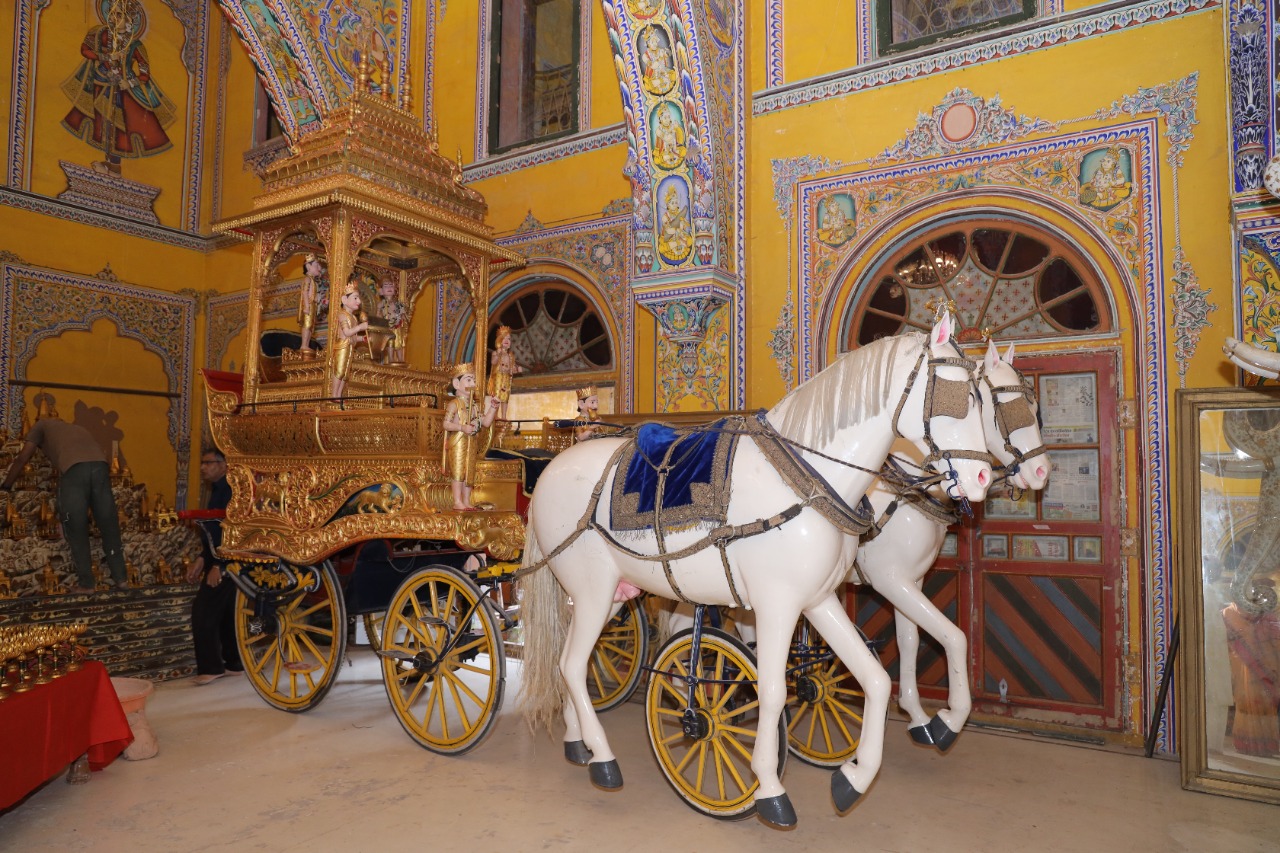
(1255, 360)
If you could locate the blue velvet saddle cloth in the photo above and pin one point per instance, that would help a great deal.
(697, 477)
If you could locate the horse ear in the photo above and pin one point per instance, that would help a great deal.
(992, 358)
(941, 330)
(1008, 355)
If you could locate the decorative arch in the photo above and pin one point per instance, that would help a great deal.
(39, 304)
(860, 276)
(540, 275)
(851, 282)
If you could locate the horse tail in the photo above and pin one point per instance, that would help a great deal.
(544, 621)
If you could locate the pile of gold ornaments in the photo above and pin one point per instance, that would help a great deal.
(37, 654)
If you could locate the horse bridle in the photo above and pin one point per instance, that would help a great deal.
(1011, 416)
(942, 397)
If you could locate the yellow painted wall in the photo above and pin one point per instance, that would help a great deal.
(63, 27)
(102, 357)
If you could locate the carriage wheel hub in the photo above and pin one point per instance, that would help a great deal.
(695, 724)
(808, 690)
(425, 661)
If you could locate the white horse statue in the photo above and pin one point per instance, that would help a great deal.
(896, 560)
(798, 551)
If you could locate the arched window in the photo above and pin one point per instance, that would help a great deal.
(554, 330)
(1008, 280)
(562, 343)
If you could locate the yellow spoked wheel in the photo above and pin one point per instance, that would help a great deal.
(292, 635)
(824, 701)
(704, 747)
(373, 630)
(442, 660)
(617, 663)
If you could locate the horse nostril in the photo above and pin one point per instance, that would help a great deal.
(1040, 472)
(982, 478)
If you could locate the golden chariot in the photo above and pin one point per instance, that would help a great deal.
(342, 505)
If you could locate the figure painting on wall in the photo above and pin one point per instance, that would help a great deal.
(1109, 183)
(644, 8)
(502, 366)
(116, 106)
(656, 67)
(313, 299)
(668, 137)
(394, 311)
(278, 52)
(464, 417)
(835, 225)
(675, 236)
(352, 329)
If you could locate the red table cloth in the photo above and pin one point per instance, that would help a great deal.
(48, 727)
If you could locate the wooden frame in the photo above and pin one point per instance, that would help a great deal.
(1229, 731)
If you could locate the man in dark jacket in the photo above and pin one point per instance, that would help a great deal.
(213, 611)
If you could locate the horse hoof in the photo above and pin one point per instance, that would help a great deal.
(576, 752)
(942, 736)
(606, 775)
(842, 793)
(919, 734)
(776, 811)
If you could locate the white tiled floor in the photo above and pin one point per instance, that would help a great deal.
(234, 774)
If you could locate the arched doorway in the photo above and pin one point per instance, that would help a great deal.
(563, 342)
(1037, 582)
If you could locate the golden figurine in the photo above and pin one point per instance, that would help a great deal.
(49, 581)
(313, 299)
(6, 585)
(502, 366)
(164, 573)
(48, 527)
(393, 310)
(464, 416)
(15, 524)
(134, 577)
(351, 330)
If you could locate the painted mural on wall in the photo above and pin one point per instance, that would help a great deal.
(307, 51)
(1106, 177)
(665, 110)
(1259, 271)
(693, 354)
(116, 106)
(279, 62)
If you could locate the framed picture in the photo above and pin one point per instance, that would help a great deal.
(1229, 525)
(995, 546)
(1086, 549)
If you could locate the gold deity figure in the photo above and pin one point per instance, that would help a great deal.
(464, 417)
(313, 298)
(502, 366)
(396, 313)
(352, 329)
(6, 586)
(164, 572)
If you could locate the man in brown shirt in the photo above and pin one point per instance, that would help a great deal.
(84, 484)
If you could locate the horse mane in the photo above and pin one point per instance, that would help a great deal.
(851, 390)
